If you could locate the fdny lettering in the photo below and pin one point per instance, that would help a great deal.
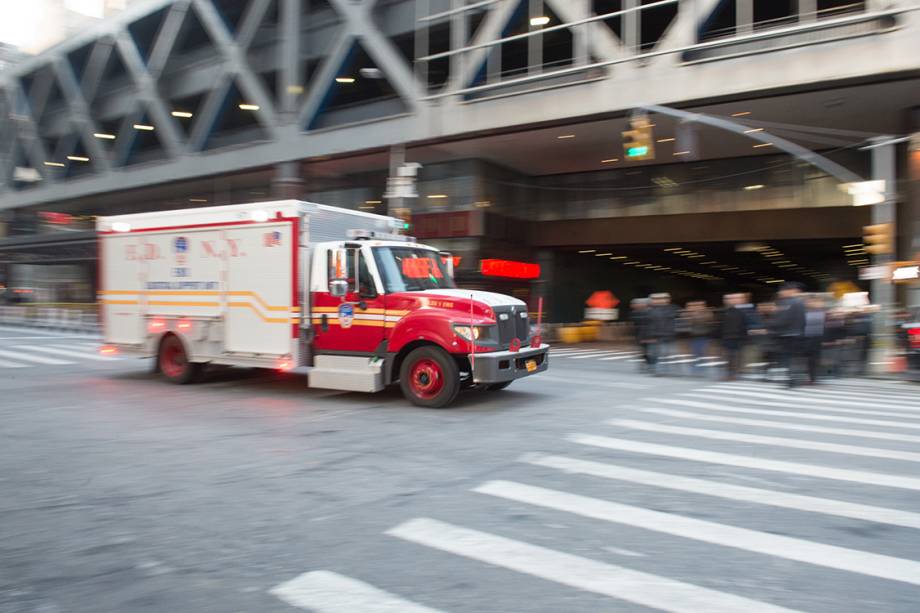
(212, 250)
(147, 251)
(441, 304)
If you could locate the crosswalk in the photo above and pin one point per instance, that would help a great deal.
(15, 354)
(828, 463)
(631, 356)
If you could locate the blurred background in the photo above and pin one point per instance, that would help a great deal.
(522, 113)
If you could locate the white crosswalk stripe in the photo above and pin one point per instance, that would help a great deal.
(757, 463)
(25, 357)
(836, 402)
(728, 491)
(776, 441)
(4, 364)
(66, 351)
(575, 571)
(819, 554)
(723, 406)
(823, 392)
(778, 425)
(328, 592)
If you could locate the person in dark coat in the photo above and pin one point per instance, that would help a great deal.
(789, 322)
(734, 332)
(814, 336)
(639, 316)
(662, 328)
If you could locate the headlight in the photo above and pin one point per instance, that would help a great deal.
(470, 333)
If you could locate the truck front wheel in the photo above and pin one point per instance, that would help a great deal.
(429, 377)
(172, 361)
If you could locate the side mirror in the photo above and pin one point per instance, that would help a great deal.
(338, 288)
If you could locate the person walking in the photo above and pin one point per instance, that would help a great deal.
(734, 333)
(662, 316)
(699, 323)
(639, 316)
(789, 322)
(814, 335)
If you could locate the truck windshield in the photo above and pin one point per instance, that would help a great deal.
(408, 269)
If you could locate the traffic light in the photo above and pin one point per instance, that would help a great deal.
(638, 143)
(879, 238)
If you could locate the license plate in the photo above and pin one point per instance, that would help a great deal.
(531, 365)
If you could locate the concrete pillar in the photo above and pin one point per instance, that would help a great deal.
(882, 292)
(808, 10)
(744, 16)
(909, 215)
(631, 26)
(287, 182)
(458, 37)
(535, 43)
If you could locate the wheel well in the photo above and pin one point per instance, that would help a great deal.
(401, 356)
(156, 355)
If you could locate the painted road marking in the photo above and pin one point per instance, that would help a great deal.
(799, 502)
(781, 425)
(57, 350)
(864, 398)
(810, 400)
(575, 571)
(327, 592)
(787, 547)
(812, 416)
(774, 441)
(759, 463)
(11, 365)
(37, 359)
(625, 356)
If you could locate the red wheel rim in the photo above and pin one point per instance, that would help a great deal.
(172, 360)
(426, 379)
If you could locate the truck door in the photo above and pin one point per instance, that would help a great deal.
(355, 325)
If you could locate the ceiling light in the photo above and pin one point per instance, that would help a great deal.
(741, 114)
(104, 136)
(144, 127)
(373, 202)
(853, 246)
(197, 199)
(601, 255)
(55, 164)
(345, 80)
(750, 188)
(587, 251)
(675, 249)
(762, 145)
(563, 136)
(610, 161)
(77, 158)
(250, 107)
(666, 140)
(753, 130)
(619, 257)
(482, 204)
(695, 257)
(681, 153)
(181, 114)
(542, 20)
(437, 196)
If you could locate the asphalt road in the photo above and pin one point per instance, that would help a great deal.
(590, 488)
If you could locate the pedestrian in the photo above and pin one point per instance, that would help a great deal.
(858, 331)
(734, 333)
(639, 316)
(662, 317)
(814, 335)
(835, 342)
(789, 321)
(699, 324)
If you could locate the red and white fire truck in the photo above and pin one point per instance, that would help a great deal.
(291, 284)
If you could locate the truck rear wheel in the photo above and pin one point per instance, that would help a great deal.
(173, 363)
(429, 377)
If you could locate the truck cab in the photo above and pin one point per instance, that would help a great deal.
(394, 302)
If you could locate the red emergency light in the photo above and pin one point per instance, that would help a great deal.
(509, 269)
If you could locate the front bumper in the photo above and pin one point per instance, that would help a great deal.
(502, 366)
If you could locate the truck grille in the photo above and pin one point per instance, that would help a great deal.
(513, 322)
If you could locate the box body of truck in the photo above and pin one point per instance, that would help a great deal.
(253, 285)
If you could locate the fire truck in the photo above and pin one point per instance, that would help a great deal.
(339, 294)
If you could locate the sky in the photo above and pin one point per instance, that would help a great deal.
(22, 20)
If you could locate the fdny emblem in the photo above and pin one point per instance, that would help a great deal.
(180, 248)
(346, 315)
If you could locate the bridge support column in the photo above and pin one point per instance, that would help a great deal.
(287, 182)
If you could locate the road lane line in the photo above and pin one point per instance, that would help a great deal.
(328, 592)
(773, 441)
(787, 547)
(625, 356)
(806, 394)
(66, 352)
(825, 415)
(574, 571)
(38, 359)
(4, 364)
(782, 425)
(741, 493)
(597, 355)
(758, 463)
(777, 397)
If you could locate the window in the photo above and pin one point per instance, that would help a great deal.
(408, 269)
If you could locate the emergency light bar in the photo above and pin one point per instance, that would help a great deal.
(364, 235)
